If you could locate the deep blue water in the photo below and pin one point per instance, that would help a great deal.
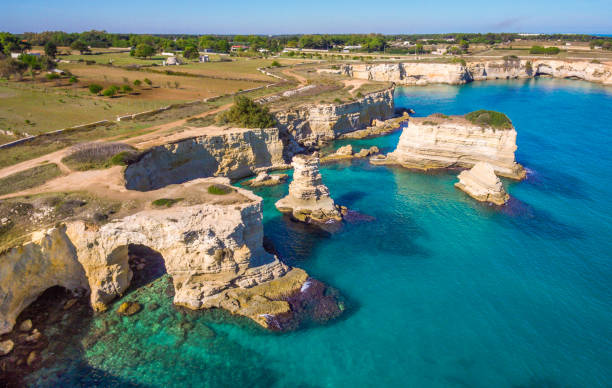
(442, 291)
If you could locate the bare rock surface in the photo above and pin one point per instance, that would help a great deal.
(308, 199)
(266, 179)
(481, 183)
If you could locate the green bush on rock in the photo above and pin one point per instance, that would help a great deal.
(489, 118)
(248, 114)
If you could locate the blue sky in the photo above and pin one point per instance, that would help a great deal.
(314, 16)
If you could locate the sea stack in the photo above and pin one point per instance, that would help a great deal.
(441, 141)
(481, 183)
(308, 199)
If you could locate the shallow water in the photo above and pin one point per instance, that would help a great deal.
(442, 291)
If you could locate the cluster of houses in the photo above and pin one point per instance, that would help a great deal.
(173, 60)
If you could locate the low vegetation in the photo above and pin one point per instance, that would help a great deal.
(489, 118)
(166, 202)
(95, 156)
(544, 50)
(28, 179)
(248, 114)
(217, 189)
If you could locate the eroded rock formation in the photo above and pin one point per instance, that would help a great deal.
(235, 154)
(346, 152)
(481, 183)
(265, 179)
(213, 252)
(308, 199)
(452, 141)
(410, 73)
(314, 125)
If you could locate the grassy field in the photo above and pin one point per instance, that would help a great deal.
(27, 109)
(35, 107)
(243, 68)
(29, 178)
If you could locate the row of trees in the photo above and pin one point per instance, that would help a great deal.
(223, 43)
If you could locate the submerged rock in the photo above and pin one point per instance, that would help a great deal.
(308, 199)
(481, 183)
(26, 325)
(6, 347)
(129, 308)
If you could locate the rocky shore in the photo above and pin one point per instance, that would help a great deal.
(441, 141)
(481, 183)
(308, 199)
(211, 242)
(346, 153)
(265, 179)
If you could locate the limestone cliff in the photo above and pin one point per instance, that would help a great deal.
(445, 142)
(213, 252)
(234, 154)
(481, 183)
(308, 199)
(313, 125)
(411, 73)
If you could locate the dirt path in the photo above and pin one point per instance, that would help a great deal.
(301, 79)
(154, 137)
(355, 83)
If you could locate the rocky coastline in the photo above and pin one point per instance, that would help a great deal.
(414, 73)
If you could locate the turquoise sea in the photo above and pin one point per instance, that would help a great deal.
(441, 291)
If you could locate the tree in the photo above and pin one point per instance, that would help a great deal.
(248, 114)
(464, 44)
(50, 49)
(144, 50)
(148, 81)
(110, 91)
(80, 46)
(191, 52)
(95, 88)
(126, 89)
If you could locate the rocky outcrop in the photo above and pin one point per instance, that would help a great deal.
(265, 179)
(378, 128)
(411, 73)
(235, 154)
(213, 252)
(308, 199)
(452, 141)
(346, 152)
(314, 125)
(481, 183)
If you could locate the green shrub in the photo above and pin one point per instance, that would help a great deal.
(95, 88)
(248, 114)
(137, 82)
(166, 202)
(217, 189)
(338, 101)
(595, 61)
(148, 81)
(126, 89)
(544, 50)
(110, 91)
(489, 118)
(73, 80)
(460, 61)
(51, 76)
(359, 95)
(276, 64)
